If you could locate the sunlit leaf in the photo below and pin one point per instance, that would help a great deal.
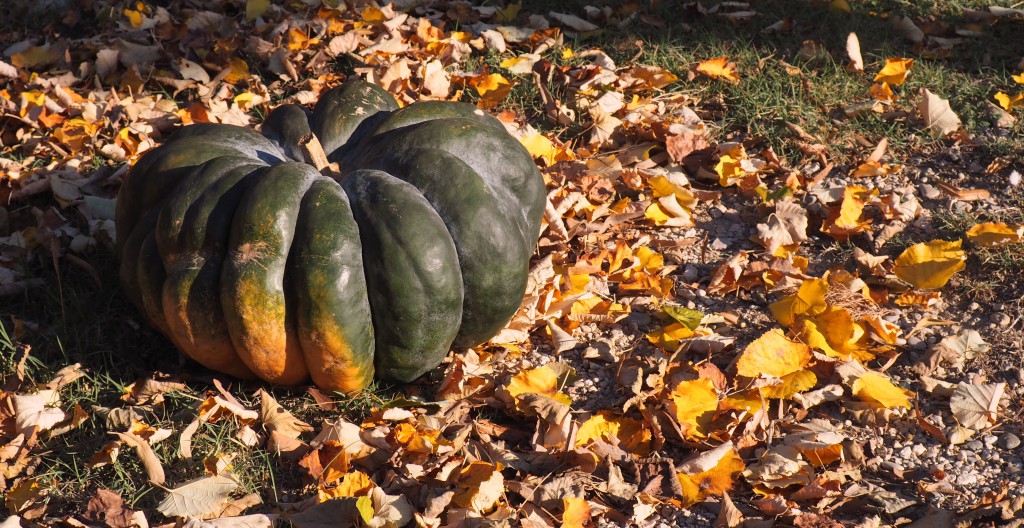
(930, 265)
(695, 401)
(895, 71)
(608, 427)
(773, 354)
(1009, 102)
(877, 390)
(711, 473)
(719, 68)
(992, 234)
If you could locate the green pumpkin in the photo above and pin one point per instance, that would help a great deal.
(257, 265)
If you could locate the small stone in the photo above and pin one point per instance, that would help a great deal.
(990, 440)
(1009, 441)
(1000, 319)
(973, 445)
(907, 453)
(895, 467)
(719, 245)
(967, 479)
(930, 192)
(973, 306)
(691, 273)
(919, 449)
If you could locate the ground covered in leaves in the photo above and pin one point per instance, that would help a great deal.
(778, 283)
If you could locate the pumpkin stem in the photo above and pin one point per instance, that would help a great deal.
(314, 153)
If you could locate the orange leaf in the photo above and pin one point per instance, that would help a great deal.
(577, 513)
(895, 71)
(695, 402)
(711, 473)
(719, 68)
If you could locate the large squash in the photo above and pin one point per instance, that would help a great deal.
(255, 264)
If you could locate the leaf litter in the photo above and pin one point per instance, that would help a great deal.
(682, 342)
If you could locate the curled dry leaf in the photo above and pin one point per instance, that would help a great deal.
(277, 420)
(197, 497)
(154, 470)
(853, 52)
(976, 406)
(938, 117)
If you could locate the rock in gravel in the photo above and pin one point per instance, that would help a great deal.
(967, 479)
(973, 445)
(1009, 441)
(1000, 319)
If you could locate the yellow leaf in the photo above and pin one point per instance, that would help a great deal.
(695, 402)
(895, 71)
(1019, 78)
(791, 384)
(255, 8)
(844, 220)
(883, 92)
(239, 71)
(929, 265)
(730, 170)
(668, 338)
(629, 434)
(299, 40)
(714, 472)
(809, 299)
(134, 18)
(840, 5)
(751, 401)
(835, 333)
(373, 15)
(354, 484)
(544, 149)
(773, 354)
(870, 169)
(719, 68)
(877, 390)
(1008, 102)
(493, 88)
(567, 54)
(576, 514)
(545, 381)
(480, 485)
(992, 234)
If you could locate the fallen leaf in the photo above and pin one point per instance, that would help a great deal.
(930, 265)
(694, 403)
(773, 354)
(576, 513)
(197, 497)
(938, 117)
(277, 420)
(479, 486)
(1010, 102)
(976, 406)
(895, 71)
(108, 508)
(710, 473)
(853, 52)
(993, 234)
(786, 226)
(719, 68)
(154, 470)
(876, 389)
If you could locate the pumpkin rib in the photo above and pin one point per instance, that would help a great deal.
(413, 279)
(504, 165)
(284, 126)
(192, 235)
(151, 276)
(159, 172)
(493, 256)
(253, 296)
(328, 287)
(347, 112)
